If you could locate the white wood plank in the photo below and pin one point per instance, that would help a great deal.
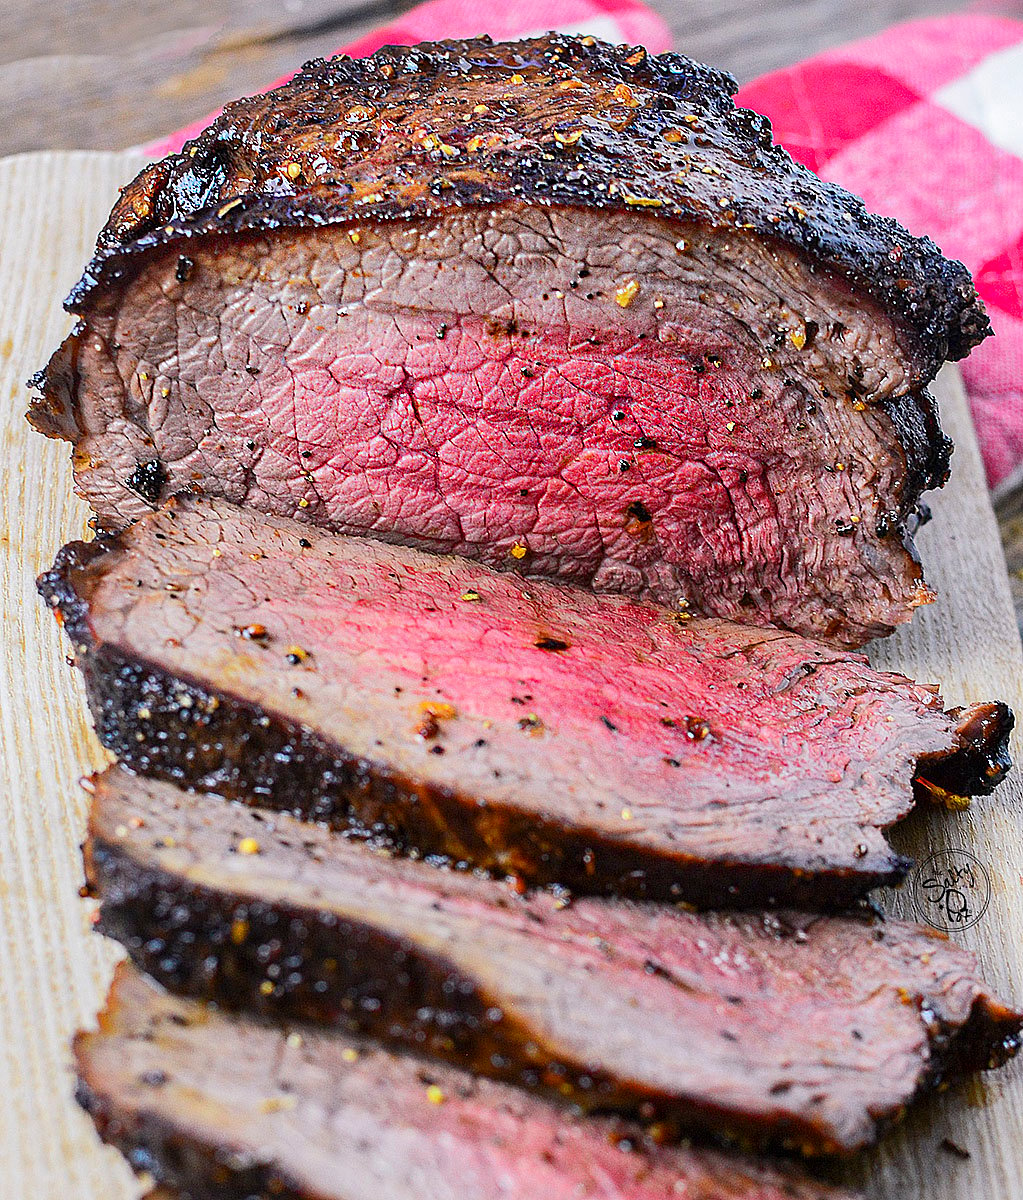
(968, 641)
(53, 972)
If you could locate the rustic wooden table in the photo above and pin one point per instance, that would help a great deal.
(108, 74)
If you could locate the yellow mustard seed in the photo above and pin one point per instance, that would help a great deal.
(248, 845)
(625, 295)
(635, 201)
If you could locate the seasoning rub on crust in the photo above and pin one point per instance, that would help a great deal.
(556, 306)
(530, 729)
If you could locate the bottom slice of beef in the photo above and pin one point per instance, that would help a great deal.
(521, 726)
(799, 1031)
(223, 1108)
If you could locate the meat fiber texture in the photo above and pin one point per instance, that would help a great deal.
(531, 729)
(225, 1109)
(552, 305)
(799, 1031)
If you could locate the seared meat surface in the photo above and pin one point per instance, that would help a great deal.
(227, 1109)
(786, 1029)
(554, 306)
(536, 730)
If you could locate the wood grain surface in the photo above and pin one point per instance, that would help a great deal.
(53, 971)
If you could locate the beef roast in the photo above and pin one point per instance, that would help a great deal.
(801, 1031)
(228, 1109)
(534, 729)
(552, 305)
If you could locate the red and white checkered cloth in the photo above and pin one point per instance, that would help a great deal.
(924, 121)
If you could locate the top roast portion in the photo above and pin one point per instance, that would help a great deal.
(549, 305)
(551, 120)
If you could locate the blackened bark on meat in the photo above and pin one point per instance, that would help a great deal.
(233, 729)
(980, 762)
(329, 1117)
(195, 737)
(928, 451)
(558, 120)
(526, 988)
(512, 163)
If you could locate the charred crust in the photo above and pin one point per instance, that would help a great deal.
(979, 760)
(148, 480)
(347, 975)
(365, 982)
(65, 587)
(247, 171)
(178, 1158)
(990, 1037)
(340, 972)
(216, 742)
(927, 449)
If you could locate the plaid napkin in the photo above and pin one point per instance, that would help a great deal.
(924, 121)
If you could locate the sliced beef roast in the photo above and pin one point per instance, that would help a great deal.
(228, 1109)
(533, 729)
(782, 1028)
(552, 305)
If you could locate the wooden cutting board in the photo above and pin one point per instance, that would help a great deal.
(53, 971)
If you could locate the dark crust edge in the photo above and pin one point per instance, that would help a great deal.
(980, 761)
(214, 741)
(148, 910)
(927, 451)
(181, 934)
(177, 1157)
(220, 743)
(186, 1166)
(933, 297)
